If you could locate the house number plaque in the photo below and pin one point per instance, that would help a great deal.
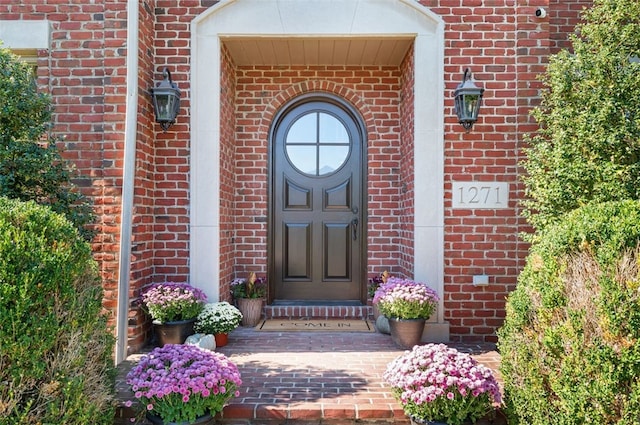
(486, 195)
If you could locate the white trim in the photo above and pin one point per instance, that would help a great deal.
(205, 166)
(428, 160)
(317, 18)
(25, 34)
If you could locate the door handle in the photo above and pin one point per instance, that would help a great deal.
(354, 228)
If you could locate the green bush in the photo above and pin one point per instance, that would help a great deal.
(588, 146)
(31, 165)
(570, 343)
(55, 347)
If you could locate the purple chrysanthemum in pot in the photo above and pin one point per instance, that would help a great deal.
(171, 301)
(405, 299)
(436, 383)
(182, 382)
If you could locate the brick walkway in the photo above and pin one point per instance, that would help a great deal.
(314, 378)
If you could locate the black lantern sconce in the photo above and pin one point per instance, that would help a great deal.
(166, 101)
(468, 98)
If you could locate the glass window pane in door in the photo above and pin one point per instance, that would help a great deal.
(331, 158)
(303, 130)
(304, 158)
(332, 130)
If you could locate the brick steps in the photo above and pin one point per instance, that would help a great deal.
(318, 311)
(309, 378)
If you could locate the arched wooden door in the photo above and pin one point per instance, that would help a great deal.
(317, 202)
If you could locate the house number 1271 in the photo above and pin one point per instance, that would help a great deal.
(493, 195)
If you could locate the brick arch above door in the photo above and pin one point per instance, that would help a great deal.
(244, 20)
(317, 86)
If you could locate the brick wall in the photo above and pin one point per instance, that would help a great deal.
(484, 39)
(406, 169)
(563, 15)
(502, 42)
(374, 91)
(83, 72)
(227, 175)
(160, 234)
(171, 207)
(506, 48)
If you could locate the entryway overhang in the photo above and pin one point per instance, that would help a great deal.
(323, 32)
(313, 50)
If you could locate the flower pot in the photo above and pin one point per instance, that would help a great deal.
(222, 339)
(406, 333)
(173, 332)
(251, 309)
(201, 420)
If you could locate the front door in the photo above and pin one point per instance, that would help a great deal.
(317, 227)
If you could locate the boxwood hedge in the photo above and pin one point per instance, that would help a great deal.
(570, 342)
(56, 362)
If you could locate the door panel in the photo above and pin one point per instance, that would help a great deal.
(338, 197)
(296, 197)
(297, 246)
(316, 251)
(337, 251)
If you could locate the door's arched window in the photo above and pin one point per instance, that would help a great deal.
(317, 144)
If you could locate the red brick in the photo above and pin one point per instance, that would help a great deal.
(505, 46)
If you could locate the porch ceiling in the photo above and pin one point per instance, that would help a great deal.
(376, 51)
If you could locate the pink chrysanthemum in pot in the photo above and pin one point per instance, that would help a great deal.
(171, 301)
(180, 383)
(436, 383)
(405, 299)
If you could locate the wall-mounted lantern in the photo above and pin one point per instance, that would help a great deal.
(166, 101)
(468, 98)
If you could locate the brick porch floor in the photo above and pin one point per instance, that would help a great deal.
(310, 378)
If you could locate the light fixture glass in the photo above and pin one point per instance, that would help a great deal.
(166, 101)
(468, 98)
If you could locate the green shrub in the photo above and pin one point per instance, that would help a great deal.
(31, 165)
(588, 146)
(570, 343)
(55, 347)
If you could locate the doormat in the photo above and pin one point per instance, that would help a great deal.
(314, 325)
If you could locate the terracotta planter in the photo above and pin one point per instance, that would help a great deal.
(406, 333)
(221, 339)
(251, 309)
(156, 420)
(173, 332)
